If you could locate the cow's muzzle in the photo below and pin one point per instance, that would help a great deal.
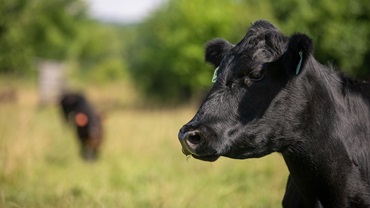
(189, 140)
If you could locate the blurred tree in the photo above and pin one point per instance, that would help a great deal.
(55, 27)
(99, 54)
(166, 59)
(15, 49)
(340, 29)
(38, 28)
(58, 30)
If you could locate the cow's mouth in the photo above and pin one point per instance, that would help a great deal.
(209, 158)
(189, 142)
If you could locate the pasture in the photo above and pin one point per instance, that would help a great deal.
(140, 165)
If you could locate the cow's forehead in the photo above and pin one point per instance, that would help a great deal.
(234, 63)
(260, 47)
(247, 52)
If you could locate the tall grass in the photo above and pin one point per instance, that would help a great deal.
(140, 165)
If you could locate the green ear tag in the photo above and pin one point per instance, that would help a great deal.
(214, 78)
(299, 63)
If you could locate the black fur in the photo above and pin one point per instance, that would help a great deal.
(318, 119)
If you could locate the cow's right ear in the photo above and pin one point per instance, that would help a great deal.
(300, 47)
(216, 50)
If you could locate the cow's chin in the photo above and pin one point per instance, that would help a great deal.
(209, 158)
(251, 153)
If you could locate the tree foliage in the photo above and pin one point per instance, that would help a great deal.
(58, 30)
(38, 28)
(340, 29)
(14, 47)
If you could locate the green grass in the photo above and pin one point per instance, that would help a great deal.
(140, 165)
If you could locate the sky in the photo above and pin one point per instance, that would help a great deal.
(124, 11)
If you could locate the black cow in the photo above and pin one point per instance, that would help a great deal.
(271, 95)
(87, 122)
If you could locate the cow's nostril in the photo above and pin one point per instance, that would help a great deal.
(189, 141)
(193, 139)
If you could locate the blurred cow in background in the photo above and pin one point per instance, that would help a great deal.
(77, 111)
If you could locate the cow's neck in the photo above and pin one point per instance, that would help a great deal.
(319, 161)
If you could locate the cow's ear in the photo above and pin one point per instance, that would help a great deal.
(216, 50)
(299, 49)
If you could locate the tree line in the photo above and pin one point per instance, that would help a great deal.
(164, 54)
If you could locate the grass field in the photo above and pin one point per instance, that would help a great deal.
(140, 165)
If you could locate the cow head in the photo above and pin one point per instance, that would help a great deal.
(242, 115)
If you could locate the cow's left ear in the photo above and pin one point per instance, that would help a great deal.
(299, 49)
(216, 49)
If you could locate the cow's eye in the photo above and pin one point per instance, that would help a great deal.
(231, 84)
(256, 75)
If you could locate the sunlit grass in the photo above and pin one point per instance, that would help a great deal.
(140, 165)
